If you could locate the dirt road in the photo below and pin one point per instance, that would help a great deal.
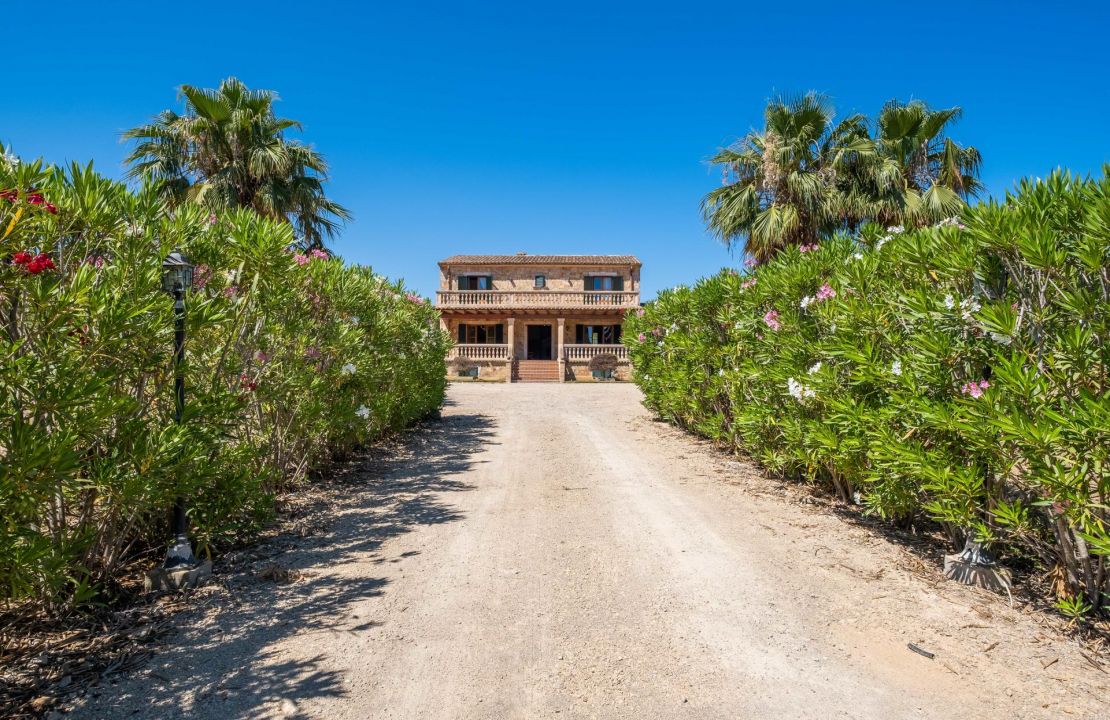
(548, 551)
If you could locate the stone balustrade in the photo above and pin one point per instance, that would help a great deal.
(580, 352)
(540, 299)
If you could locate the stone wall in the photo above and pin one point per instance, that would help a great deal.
(579, 371)
(522, 277)
(488, 371)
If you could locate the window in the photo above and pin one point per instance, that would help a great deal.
(470, 334)
(604, 282)
(541, 282)
(597, 334)
(476, 282)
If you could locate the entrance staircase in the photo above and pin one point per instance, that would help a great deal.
(536, 371)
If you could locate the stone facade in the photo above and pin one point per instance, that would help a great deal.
(522, 277)
(509, 303)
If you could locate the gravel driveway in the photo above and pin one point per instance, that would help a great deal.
(549, 551)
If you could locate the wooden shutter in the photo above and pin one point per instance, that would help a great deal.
(499, 334)
(618, 282)
(462, 330)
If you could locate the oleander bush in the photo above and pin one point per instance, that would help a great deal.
(954, 374)
(293, 359)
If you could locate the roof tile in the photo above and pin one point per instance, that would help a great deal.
(523, 259)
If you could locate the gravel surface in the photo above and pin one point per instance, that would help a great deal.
(549, 551)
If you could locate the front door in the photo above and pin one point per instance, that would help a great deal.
(539, 342)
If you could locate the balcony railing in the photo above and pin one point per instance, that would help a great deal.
(554, 299)
(588, 352)
(480, 352)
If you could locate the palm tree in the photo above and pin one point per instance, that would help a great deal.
(917, 175)
(787, 185)
(228, 149)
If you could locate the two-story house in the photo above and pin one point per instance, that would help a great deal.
(537, 317)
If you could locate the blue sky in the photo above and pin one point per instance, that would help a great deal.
(557, 127)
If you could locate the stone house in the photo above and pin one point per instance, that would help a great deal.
(537, 317)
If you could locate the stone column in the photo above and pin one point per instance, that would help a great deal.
(509, 323)
(559, 352)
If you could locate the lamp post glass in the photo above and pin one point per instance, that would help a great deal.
(177, 277)
(177, 271)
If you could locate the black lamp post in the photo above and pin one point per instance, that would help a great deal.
(177, 277)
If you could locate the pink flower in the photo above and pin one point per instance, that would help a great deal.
(641, 337)
(301, 259)
(807, 248)
(414, 298)
(201, 275)
(751, 262)
(975, 389)
(312, 352)
(212, 219)
(319, 254)
(95, 260)
(231, 291)
(261, 356)
(826, 292)
(747, 284)
(639, 312)
(772, 319)
(657, 332)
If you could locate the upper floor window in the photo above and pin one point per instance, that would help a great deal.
(604, 282)
(475, 282)
(541, 281)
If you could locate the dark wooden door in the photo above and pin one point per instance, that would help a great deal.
(539, 342)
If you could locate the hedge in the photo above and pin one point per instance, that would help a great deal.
(954, 374)
(292, 359)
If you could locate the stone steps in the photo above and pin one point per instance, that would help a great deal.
(536, 371)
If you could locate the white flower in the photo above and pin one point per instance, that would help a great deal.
(896, 368)
(1001, 339)
(721, 372)
(883, 241)
(10, 159)
(816, 367)
(806, 302)
(363, 412)
(857, 256)
(949, 302)
(354, 319)
(798, 391)
(832, 328)
(348, 369)
(971, 305)
(895, 230)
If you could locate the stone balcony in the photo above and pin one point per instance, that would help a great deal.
(501, 300)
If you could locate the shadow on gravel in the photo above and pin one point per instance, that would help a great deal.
(223, 664)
